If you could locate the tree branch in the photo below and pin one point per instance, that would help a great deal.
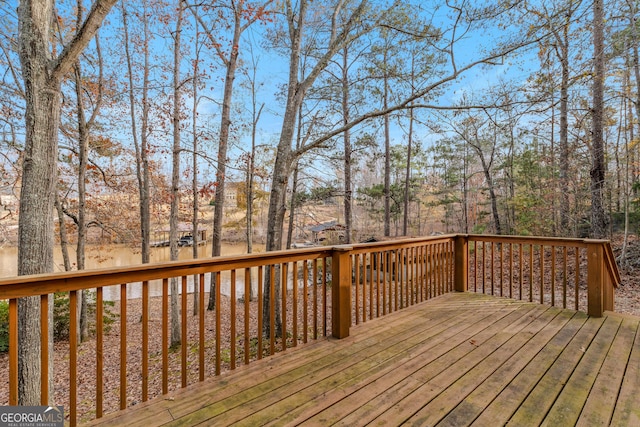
(67, 58)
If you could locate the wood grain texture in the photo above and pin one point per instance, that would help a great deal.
(458, 359)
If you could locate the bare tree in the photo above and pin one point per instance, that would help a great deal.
(598, 216)
(243, 16)
(43, 76)
(285, 156)
(175, 173)
(140, 142)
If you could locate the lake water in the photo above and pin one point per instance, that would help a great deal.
(122, 255)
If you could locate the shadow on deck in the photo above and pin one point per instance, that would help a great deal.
(458, 359)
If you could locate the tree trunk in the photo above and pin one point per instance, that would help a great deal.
(598, 217)
(407, 177)
(225, 124)
(636, 71)
(175, 179)
(42, 77)
(348, 185)
(387, 154)
(564, 132)
(83, 140)
(292, 205)
(62, 231)
(140, 144)
(194, 182)
(84, 127)
(284, 155)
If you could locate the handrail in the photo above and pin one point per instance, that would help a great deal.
(38, 284)
(612, 266)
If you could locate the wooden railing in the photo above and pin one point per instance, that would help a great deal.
(328, 289)
(571, 273)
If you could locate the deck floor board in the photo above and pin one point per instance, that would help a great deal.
(458, 359)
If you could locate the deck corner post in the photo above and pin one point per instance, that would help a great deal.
(461, 273)
(341, 291)
(595, 278)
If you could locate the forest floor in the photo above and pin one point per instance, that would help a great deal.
(627, 296)
(627, 300)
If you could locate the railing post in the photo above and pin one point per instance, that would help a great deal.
(595, 278)
(341, 291)
(461, 272)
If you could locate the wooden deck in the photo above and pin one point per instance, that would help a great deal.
(458, 359)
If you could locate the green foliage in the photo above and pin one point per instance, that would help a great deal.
(618, 220)
(4, 326)
(324, 194)
(61, 317)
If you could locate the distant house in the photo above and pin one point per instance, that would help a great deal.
(331, 231)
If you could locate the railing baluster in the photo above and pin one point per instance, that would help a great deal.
(378, 283)
(305, 300)
(372, 267)
(484, 266)
(577, 280)
(436, 269)
(284, 269)
(541, 274)
(232, 320)
(444, 274)
(383, 266)
(183, 333)
(13, 352)
(260, 308)
(247, 300)
(420, 273)
(521, 265)
(448, 272)
(531, 273)
(564, 277)
(324, 297)
(73, 358)
(44, 350)
(475, 265)
(356, 305)
(553, 276)
(201, 328)
(315, 298)
(272, 309)
(493, 267)
(411, 283)
(452, 266)
(396, 265)
(438, 266)
(416, 274)
(99, 351)
(218, 321)
(501, 254)
(145, 341)
(510, 270)
(123, 346)
(404, 279)
(165, 336)
(424, 272)
(294, 318)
